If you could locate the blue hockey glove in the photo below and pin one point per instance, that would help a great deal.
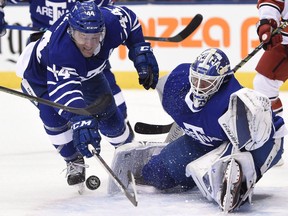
(85, 131)
(2, 23)
(145, 63)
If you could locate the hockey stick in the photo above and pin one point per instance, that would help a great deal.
(174, 133)
(191, 27)
(92, 109)
(173, 130)
(131, 196)
(259, 47)
(194, 23)
(24, 28)
(145, 128)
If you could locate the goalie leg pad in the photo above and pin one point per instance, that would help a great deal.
(208, 172)
(132, 156)
(199, 168)
(268, 155)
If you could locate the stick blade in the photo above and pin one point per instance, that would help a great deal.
(189, 29)
(133, 195)
(144, 128)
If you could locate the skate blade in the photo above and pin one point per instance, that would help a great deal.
(80, 188)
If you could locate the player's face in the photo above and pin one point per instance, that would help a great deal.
(87, 43)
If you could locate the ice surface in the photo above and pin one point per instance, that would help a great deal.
(32, 182)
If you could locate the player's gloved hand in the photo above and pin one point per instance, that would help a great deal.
(145, 63)
(265, 27)
(2, 23)
(85, 131)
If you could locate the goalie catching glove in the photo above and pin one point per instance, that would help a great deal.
(265, 28)
(248, 120)
(85, 132)
(145, 63)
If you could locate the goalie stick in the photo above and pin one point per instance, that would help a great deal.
(92, 109)
(191, 27)
(131, 196)
(173, 130)
(145, 128)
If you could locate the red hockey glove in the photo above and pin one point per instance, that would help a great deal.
(265, 28)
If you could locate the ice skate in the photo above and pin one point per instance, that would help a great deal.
(76, 173)
(231, 188)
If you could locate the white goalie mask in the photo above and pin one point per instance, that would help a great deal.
(206, 76)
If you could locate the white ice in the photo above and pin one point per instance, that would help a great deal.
(32, 182)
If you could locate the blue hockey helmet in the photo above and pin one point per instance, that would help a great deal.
(86, 17)
(207, 73)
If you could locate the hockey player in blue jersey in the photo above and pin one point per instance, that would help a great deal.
(231, 137)
(65, 66)
(44, 13)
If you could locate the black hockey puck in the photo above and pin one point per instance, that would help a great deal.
(93, 182)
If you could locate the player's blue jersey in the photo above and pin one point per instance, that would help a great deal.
(202, 126)
(45, 13)
(57, 63)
